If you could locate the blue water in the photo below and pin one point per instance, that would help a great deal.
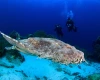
(28, 16)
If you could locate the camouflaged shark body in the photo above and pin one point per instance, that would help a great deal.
(49, 48)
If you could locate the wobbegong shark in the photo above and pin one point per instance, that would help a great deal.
(48, 48)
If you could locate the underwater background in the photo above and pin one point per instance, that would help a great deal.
(29, 16)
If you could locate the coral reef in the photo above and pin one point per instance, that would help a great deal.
(15, 35)
(41, 33)
(14, 56)
(96, 49)
(11, 55)
(95, 76)
(3, 43)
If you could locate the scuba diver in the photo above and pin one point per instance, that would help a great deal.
(70, 25)
(58, 30)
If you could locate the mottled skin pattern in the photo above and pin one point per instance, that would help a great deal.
(48, 48)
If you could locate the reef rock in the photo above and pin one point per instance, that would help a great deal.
(48, 48)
